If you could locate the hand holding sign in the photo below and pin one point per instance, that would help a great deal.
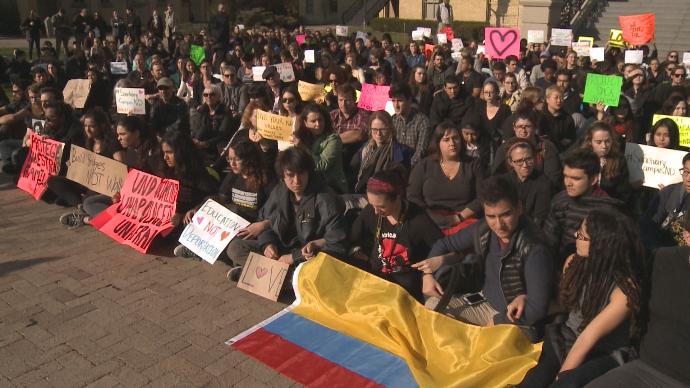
(274, 127)
(130, 101)
(373, 97)
(637, 29)
(502, 42)
(603, 88)
(43, 161)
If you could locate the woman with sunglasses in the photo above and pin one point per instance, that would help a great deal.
(290, 102)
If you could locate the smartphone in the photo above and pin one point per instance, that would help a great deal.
(472, 299)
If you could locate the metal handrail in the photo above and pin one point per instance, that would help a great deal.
(584, 14)
(352, 10)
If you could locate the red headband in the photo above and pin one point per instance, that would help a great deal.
(382, 187)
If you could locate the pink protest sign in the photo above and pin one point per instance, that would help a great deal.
(147, 205)
(449, 33)
(300, 39)
(373, 97)
(502, 42)
(43, 161)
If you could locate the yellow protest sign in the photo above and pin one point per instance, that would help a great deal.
(587, 39)
(616, 38)
(273, 127)
(309, 92)
(683, 127)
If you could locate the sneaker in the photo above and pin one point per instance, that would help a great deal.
(184, 252)
(80, 208)
(234, 273)
(73, 220)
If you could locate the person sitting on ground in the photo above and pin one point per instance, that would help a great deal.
(557, 124)
(168, 112)
(210, 124)
(411, 126)
(602, 291)
(391, 234)
(451, 103)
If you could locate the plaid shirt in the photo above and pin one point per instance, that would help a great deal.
(357, 122)
(413, 130)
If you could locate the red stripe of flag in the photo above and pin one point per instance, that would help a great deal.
(298, 363)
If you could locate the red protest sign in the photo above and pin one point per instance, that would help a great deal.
(44, 160)
(428, 50)
(637, 29)
(300, 39)
(449, 32)
(501, 42)
(373, 97)
(146, 207)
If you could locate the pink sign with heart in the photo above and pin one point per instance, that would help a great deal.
(501, 42)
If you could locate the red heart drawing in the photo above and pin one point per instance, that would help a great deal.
(260, 272)
(502, 45)
(224, 235)
(199, 220)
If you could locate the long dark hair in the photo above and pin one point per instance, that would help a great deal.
(614, 160)
(103, 131)
(673, 132)
(250, 154)
(615, 259)
(434, 149)
(188, 164)
(303, 133)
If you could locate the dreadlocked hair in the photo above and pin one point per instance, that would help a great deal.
(615, 259)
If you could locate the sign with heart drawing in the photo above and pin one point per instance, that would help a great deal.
(263, 276)
(501, 42)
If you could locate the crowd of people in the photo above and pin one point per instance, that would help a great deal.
(493, 193)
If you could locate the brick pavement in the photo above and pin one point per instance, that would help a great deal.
(77, 309)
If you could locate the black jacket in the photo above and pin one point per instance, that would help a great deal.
(173, 116)
(443, 108)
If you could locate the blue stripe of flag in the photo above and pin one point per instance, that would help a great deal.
(360, 357)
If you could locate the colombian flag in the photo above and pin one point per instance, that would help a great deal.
(349, 328)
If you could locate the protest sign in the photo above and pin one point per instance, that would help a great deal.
(616, 38)
(633, 56)
(130, 100)
(341, 30)
(258, 73)
(309, 56)
(655, 166)
(637, 29)
(300, 39)
(428, 50)
(197, 54)
(147, 205)
(456, 56)
(596, 54)
(241, 27)
(535, 36)
(581, 48)
(373, 97)
(95, 172)
(287, 73)
(426, 31)
(502, 42)
(441, 38)
(212, 227)
(118, 68)
(76, 92)
(43, 161)
(587, 39)
(308, 91)
(263, 276)
(686, 58)
(448, 30)
(38, 126)
(417, 35)
(363, 35)
(604, 88)
(456, 45)
(683, 127)
(273, 127)
(480, 49)
(561, 36)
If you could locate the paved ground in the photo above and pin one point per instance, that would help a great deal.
(77, 309)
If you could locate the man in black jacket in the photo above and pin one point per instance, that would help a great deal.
(450, 104)
(210, 124)
(168, 112)
(219, 27)
(133, 22)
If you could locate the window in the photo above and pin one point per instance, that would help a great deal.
(333, 6)
(310, 6)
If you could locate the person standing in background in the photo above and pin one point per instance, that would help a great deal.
(170, 27)
(32, 27)
(80, 27)
(62, 31)
(444, 14)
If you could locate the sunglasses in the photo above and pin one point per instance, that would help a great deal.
(228, 75)
(679, 75)
(209, 94)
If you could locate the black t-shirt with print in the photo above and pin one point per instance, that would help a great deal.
(236, 195)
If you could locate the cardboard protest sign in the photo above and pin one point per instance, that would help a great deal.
(596, 54)
(683, 127)
(634, 56)
(561, 36)
(76, 92)
(456, 45)
(441, 38)
(308, 91)
(130, 100)
(373, 97)
(211, 229)
(274, 127)
(604, 88)
(258, 73)
(197, 54)
(653, 165)
(448, 30)
(95, 172)
(686, 58)
(309, 56)
(535, 36)
(43, 161)
(587, 39)
(637, 29)
(287, 73)
(616, 38)
(581, 48)
(147, 205)
(417, 35)
(300, 39)
(502, 42)
(341, 30)
(118, 68)
(263, 276)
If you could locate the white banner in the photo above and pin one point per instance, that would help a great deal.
(130, 100)
(652, 165)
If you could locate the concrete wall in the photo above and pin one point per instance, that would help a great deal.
(322, 11)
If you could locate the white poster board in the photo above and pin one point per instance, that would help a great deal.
(130, 100)
(653, 165)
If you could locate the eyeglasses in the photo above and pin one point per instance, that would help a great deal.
(673, 56)
(524, 126)
(581, 236)
(523, 162)
(379, 130)
(684, 172)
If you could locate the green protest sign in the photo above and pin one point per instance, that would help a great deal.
(197, 54)
(604, 88)
(683, 127)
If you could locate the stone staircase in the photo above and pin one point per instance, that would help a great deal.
(672, 22)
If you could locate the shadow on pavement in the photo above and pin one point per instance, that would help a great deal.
(15, 265)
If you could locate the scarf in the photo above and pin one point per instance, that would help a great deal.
(374, 159)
